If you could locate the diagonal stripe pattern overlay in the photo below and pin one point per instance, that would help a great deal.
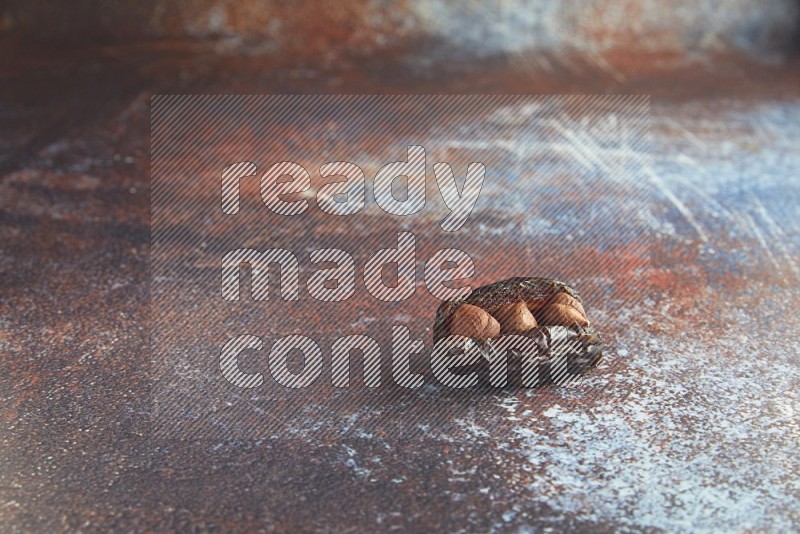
(301, 245)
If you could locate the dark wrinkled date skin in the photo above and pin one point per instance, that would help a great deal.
(556, 353)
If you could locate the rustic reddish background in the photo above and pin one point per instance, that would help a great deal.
(695, 429)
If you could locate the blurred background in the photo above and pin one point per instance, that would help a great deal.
(697, 424)
(324, 33)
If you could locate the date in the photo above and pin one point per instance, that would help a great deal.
(540, 322)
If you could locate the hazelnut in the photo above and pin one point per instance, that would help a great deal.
(514, 318)
(563, 310)
(473, 322)
(551, 303)
(567, 300)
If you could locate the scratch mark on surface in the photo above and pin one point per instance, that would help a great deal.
(604, 65)
(583, 148)
(776, 230)
(680, 206)
(760, 236)
(702, 194)
(687, 134)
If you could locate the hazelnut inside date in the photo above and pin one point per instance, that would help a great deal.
(514, 318)
(513, 306)
(471, 321)
(547, 313)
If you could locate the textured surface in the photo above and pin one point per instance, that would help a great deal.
(602, 31)
(695, 426)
